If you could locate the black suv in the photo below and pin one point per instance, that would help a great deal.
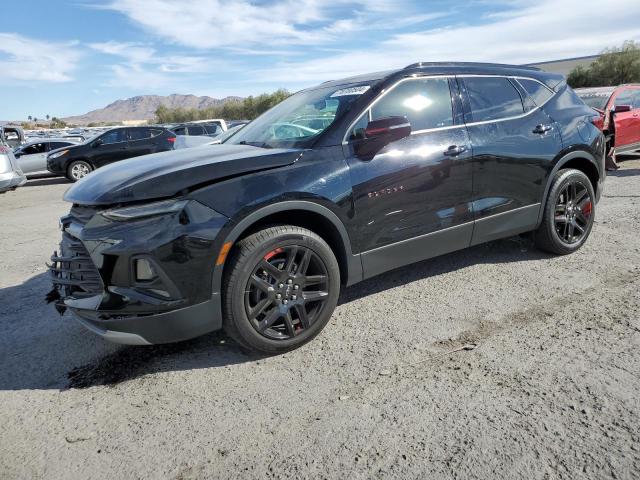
(111, 146)
(334, 185)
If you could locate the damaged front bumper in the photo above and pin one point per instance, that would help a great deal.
(140, 281)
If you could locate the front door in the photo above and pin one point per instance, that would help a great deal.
(33, 158)
(412, 199)
(627, 124)
(513, 150)
(113, 147)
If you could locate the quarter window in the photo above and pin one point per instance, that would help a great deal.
(538, 92)
(493, 98)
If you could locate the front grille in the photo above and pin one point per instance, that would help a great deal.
(72, 270)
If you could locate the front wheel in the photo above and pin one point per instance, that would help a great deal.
(281, 288)
(568, 215)
(78, 169)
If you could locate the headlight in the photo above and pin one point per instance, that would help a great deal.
(58, 154)
(147, 210)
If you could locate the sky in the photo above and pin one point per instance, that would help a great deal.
(66, 57)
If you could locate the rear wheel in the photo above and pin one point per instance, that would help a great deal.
(281, 289)
(569, 213)
(78, 169)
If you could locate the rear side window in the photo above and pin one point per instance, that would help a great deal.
(196, 130)
(425, 102)
(139, 133)
(155, 132)
(212, 129)
(538, 92)
(493, 98)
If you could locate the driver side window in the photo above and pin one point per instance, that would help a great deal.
(425, 102)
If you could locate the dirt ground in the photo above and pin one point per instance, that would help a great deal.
(550, 391)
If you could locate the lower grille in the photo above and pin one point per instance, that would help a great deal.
(73, 273)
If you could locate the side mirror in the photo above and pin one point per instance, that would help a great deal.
(380, 133)
(622, 108)
(97, 143)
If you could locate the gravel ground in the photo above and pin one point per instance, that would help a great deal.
(550, 391)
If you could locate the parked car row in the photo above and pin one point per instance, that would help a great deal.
(334, 185)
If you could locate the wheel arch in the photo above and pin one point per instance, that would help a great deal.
(313, 216)
(580, 160)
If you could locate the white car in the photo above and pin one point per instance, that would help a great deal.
(32, 156)
(10, 174)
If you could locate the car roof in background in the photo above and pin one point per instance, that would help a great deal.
(595, 91)
(33, 141)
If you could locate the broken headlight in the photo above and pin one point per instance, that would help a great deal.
(147, 210)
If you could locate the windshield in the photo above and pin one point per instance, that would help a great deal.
(595, 100)
(300, 118)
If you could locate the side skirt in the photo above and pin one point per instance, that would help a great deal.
(413, 250)
(506, 224)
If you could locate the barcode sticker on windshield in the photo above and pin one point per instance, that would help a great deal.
(351, 91)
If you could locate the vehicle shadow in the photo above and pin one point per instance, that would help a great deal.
(44, 181)
(41, 350)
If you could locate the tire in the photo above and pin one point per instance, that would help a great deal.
(78, 169)
(288, 274)
(567, 211)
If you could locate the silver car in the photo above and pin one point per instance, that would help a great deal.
(10, 174)
(32, 156)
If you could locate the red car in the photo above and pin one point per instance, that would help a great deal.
(619, 110)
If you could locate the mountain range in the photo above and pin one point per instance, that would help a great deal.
(143, 107)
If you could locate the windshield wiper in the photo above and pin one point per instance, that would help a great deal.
(255, 144)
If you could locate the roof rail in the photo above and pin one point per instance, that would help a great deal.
(467, 64)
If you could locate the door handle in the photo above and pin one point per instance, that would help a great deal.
(455, 150)
(542, 129)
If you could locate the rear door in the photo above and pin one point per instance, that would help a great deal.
(627, 124)
(514, 144)
(140, 141)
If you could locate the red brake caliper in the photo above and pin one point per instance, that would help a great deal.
(586, 210)
(272, 253)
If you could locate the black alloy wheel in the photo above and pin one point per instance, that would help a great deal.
(286, 292)
(573, 212)
(281, 285)
(568, 214)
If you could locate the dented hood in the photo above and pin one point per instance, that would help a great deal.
(165, 174)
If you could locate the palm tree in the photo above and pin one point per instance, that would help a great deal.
(30, 117)
(47, 117)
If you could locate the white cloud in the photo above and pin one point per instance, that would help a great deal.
(26, 59)
(209, 24)
(543, 30)
(141, 66)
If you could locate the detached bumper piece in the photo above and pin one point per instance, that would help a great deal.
(73, 273)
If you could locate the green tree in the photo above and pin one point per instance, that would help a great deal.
(244, 109)
(615, 66)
